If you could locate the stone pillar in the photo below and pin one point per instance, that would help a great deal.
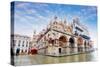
(87, 45)
(75, 46)
(67, 49)
(83, 46)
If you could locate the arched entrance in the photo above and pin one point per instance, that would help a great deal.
(17, 51)
(62, 40)
(80, 43)
(71, 42)
(22, 52)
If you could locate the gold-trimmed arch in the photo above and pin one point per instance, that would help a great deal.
(80, 40)
(62, 40)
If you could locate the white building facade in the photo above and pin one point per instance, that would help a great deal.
(20, 44)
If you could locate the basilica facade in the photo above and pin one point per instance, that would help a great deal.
(64, 38)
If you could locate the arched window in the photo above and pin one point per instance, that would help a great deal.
(23, 43)
(27, 44)
(69, 29)
(14, 42)
(19, 43)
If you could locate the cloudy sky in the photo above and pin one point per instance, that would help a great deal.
(29, 16)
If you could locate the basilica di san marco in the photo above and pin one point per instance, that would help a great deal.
(62, 38)
(60, 42)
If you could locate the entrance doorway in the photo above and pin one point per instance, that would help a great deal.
(71, 44)
(59, 50)
(71, 41)
(17, 51)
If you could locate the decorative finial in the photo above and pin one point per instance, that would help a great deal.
(65, 20)
(34, 32)
(55, 17)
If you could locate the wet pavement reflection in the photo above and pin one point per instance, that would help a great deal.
(41, 59)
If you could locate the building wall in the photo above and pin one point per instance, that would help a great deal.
(67, 31)
(20, 44)
(52, 50)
